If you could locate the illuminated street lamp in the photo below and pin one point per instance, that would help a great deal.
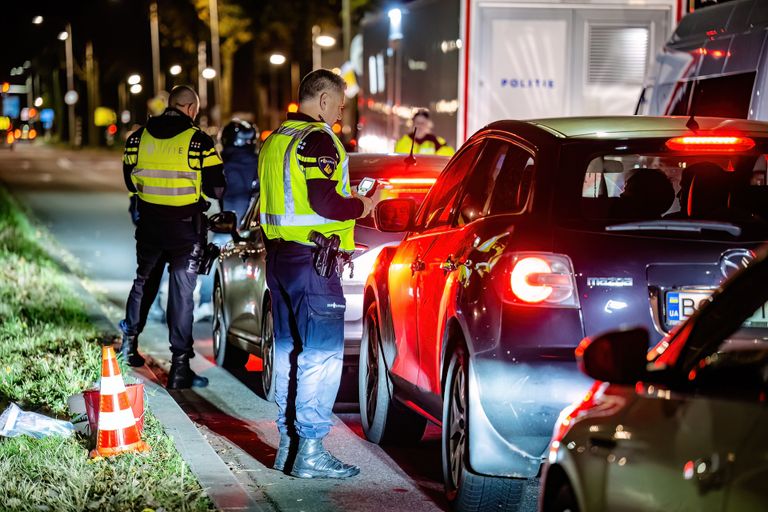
(175, 70)
(37, 20)
(136, 88)
(209, 73)
(63, 35)
(38, 102)
(277, 59)
(320, 41)
(134, 79)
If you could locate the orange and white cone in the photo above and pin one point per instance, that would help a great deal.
(117, 431)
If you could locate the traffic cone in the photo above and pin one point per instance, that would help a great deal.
(117, 431)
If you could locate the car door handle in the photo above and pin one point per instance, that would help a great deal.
(601, 442)
(417, 265)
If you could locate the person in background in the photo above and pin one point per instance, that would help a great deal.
(422, 139)
(169, 163)
(238, 139)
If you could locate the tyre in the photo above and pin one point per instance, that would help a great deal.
(227, 356)
(268, 352)
(467, 491)
(384, 420)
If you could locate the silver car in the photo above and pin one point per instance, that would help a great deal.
(242, 312)
(682, 427)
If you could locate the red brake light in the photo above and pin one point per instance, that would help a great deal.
(706, 143)
(526, 280)
(542, 278)
(412, 181)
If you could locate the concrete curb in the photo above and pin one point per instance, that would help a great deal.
(221, 486)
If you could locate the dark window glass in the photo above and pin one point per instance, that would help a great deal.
(498, 184)
(441, 201)
(727, 96)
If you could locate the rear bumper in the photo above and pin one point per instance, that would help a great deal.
(513, 409)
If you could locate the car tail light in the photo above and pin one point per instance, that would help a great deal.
(396, 187)
(9, 137)
(542, 279)
(713, 144)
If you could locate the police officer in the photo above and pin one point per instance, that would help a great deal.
(170, 163)
(303, 171)
(238, 139)
(422, 140)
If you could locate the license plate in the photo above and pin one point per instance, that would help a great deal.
(682, 305)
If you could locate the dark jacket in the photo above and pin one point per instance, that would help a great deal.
(242, 176)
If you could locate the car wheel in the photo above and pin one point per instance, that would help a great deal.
(465, 490)
(383, 419)
(227, 356)
(268, 352)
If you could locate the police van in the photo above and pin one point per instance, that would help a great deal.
(713, 65)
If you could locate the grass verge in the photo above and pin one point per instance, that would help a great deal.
(49, 351)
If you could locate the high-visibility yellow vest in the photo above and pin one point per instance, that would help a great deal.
(164, 173)
(426, 147)
(285, 209)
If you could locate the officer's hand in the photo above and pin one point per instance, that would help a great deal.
(368, 205)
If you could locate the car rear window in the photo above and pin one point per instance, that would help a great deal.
(639, 186)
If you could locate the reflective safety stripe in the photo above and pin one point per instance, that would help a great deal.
(111, 385)
(159, 173)
(116, 420)
(293, 219)
(164, 191)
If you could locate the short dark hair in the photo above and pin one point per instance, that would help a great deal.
(318, 81)
(182, 95)
(421, 112)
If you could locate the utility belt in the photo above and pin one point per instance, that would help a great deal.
(327, 258)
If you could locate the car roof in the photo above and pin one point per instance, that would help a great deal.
(384, 165)
(631, 127)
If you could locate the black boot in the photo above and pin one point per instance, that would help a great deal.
(129, 348)
(181, 375)
(283, 449)
(314, 461)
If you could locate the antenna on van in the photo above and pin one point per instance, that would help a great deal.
(691, 124)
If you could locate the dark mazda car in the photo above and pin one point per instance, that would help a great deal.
(242, 315)
(536, 235)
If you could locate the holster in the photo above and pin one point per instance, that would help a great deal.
(325, 254)
(210, 251)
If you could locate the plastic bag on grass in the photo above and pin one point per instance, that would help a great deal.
(15, 422)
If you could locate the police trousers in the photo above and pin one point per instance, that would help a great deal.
(182, 270)
(308, 313)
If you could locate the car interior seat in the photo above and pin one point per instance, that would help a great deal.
(709, 191)
(647, 194)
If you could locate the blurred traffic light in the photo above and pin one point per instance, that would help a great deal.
(5, 87)
(293, 107)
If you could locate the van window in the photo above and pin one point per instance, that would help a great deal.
(724, 96)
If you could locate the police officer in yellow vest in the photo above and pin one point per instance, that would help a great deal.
(421, 138)
(170, 163)
(304, 177)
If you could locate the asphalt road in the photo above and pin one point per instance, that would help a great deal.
(80, 197)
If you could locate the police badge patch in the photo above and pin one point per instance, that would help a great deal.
(327, 165)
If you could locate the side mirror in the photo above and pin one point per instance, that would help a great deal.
(223, 222)
(395, 215)
(618, 357)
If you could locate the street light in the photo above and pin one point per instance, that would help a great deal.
(319, 41)
(175, 70)
(136, 88)
(277, 59)
(38, 102)
(209, 73)
(134, 79)
(37, 20)
(63, 35)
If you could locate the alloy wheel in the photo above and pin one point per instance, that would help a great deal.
(372, 371)
(218, 321)
(457, 425)
(267, 351)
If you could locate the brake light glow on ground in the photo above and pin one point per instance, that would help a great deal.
(523, 286)
(720, 144)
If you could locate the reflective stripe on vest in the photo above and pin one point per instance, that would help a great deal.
(163, 174)
(295, 219)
